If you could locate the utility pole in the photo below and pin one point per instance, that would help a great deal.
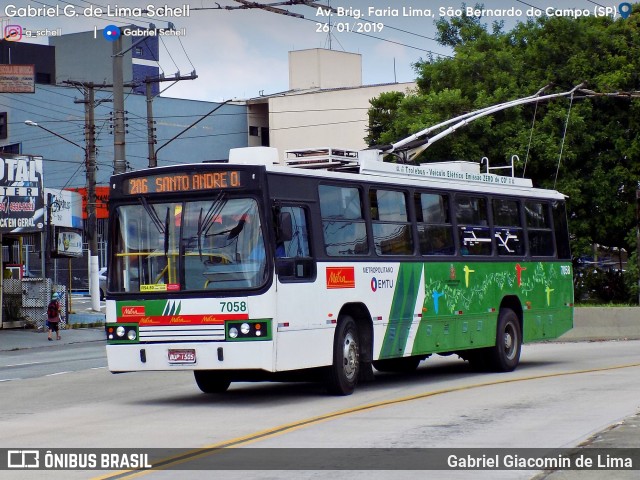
(119, 150)
(91, 199)
(88, 90)
(151, 136)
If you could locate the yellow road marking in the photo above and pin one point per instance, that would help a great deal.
(289, 427)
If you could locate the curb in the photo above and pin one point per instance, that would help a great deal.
(603, 323)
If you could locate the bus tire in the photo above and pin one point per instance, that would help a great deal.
(210, 381)
(505, 355)
(403, 364)
(342, 376)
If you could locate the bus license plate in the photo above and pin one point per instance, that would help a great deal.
(182, 356)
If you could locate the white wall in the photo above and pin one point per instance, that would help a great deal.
(336, 118)
(321, 68)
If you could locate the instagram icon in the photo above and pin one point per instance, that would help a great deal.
(13, 33)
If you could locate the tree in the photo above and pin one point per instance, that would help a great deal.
(600, 164)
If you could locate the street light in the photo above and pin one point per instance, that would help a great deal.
(34, 124)
(90, 161)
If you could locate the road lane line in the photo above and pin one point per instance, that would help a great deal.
(21, 364)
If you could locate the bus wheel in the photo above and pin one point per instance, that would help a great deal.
(210, 381)
(505, 355)
(342, 376)
(404, 364)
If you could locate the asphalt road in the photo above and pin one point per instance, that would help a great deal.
(559, 396)
(47, 361)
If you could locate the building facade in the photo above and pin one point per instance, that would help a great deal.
(326, 104)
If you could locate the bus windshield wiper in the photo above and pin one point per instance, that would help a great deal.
(166, 233)
(214, 212)
(153, 215)
(162, 228)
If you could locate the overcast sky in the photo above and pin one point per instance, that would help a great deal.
(240, 53)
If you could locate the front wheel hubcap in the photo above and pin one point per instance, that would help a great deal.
(350, 356)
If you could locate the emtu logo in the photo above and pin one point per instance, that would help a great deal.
(111, 33)
(13, 33)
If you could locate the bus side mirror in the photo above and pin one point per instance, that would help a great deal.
(285, 227)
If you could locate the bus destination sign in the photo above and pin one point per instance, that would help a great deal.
(183, 182)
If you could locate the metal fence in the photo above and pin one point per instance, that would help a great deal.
(24, 302)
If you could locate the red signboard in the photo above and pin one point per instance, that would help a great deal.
(102, 198)
(17, 78)
(341, 277)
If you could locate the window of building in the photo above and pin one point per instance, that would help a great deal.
(391, 228)
(11, 148)
(435, 231)
(3, 125)
(343, 224)
(254, 131)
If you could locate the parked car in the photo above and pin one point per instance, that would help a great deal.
(102, 282)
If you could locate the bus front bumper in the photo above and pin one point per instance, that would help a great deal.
(191, 356)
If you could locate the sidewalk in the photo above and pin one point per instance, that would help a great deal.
(18, 339)
(90, 321)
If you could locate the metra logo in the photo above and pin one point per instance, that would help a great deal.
(341, 277)
(133, 311)
(377, 283)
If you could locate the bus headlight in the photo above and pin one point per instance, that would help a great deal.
(121, 333)
(249, 330)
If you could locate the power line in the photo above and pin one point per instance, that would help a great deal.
(271, 8)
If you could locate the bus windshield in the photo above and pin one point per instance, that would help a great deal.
(212, 244)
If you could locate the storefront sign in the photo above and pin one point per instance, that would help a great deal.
(66, 208)
(21, 194)
(68, 243)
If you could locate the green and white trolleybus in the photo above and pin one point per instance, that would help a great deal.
(330, 265)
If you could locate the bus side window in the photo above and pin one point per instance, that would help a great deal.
(390, 222)
(507, 229)
(561, 230)
(539, 229)
(293, 255)
(343, 222)
(473, 225)
(434, 224)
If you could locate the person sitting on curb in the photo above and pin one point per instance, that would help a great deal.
(53, 316)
